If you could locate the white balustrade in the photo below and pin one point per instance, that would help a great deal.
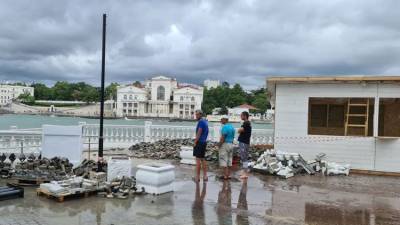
(117, 136)
(262, 136)
(18, 141)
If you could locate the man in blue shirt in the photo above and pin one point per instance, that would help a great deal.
(200, 145)
(226, 147)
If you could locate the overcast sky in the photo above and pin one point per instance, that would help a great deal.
(241, 41)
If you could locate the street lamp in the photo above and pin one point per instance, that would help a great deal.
(103, 54)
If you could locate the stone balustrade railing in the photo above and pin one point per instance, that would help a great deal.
(117, 136)
(17, 141)
(262, 136)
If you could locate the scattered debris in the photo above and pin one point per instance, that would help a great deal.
(121, 188)
(289, 164)
(86, 167)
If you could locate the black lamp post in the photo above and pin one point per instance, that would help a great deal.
(103, 55)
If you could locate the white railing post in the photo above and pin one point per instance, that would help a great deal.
(217, 128)
(147, 131)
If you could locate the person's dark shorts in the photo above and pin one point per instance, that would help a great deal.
(199, 151)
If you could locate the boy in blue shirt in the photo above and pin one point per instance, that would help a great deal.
(200, 145)
(226, 147)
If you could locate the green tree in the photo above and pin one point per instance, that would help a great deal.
(63, 91)
(237, 96)
(91, 94)
(26, 98)
(42, 92)
(224, 96)
(111, 91)
(260, 100)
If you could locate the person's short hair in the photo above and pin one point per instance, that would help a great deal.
(246, 114)
(199, 111)
(224, 117)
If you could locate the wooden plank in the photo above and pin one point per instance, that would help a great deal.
(346, 127)
(357, 115)
(367, 118)
(358, 104)
(374, 173)
(356, 125)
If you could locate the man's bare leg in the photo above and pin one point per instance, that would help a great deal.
(204, 165)
(227, 174)
(198, 168)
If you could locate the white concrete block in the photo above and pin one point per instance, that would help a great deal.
(155, 178)
(119, 167)
(62, 141)
(186, 155)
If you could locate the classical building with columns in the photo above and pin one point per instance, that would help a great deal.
(159, 97)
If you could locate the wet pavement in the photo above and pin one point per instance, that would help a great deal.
(353, 200)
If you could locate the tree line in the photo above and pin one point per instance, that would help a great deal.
(225, 97)
(65, 91)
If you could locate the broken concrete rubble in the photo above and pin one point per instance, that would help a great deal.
(32, 168)
(72, 186)
(121, 188)
(287, 165)
(170, 149)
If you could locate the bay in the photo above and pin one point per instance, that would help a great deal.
(36, 121)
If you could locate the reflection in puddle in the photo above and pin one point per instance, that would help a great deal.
(317, 206)
(328, 214)
(261, 200)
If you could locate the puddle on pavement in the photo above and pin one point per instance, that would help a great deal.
(262, 200)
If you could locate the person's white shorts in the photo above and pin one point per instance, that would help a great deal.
(226, 155)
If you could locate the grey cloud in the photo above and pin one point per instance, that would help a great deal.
(238, 41)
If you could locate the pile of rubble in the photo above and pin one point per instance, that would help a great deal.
(48, 169)
(169, 149)
(121, 188)
(87, 167)
(163, 149)
(287, 165)
(32, 167)
(21, 167)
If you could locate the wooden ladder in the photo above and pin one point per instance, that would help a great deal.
(364, 115)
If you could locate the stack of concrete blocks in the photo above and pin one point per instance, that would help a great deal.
(72, 186)
(119, 167)
(155, 178)
(53, 187)
(186, 155)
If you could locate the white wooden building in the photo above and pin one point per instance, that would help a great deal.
(353, 119)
